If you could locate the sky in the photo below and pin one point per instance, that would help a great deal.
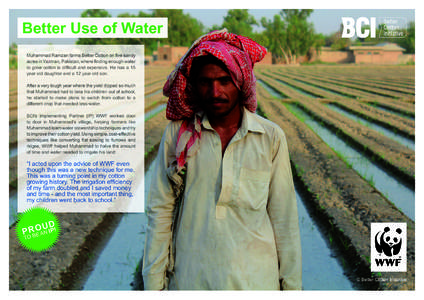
(326, 21)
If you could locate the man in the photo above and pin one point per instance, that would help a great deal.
(238, 225)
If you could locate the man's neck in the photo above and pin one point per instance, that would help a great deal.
(229, 122)
(227, 127)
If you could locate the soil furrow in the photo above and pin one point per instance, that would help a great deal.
(374, 90)
(320, 93)
(371, 83)
(399, 106)
(386, 119)
(391, 154)
(289, 92)
(348, 92)
(403, 75)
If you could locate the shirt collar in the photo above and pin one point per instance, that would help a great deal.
(248, 123)
(251, 123)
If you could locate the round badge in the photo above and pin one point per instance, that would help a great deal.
(38, 229)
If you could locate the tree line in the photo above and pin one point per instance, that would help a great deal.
(288, 36)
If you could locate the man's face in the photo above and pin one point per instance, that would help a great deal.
(219, 97)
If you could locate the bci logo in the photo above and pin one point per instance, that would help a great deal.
(350, 27)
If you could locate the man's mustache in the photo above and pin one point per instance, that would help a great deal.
(211, 100)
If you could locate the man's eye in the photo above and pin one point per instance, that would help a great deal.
(203, 81)
(225, 80)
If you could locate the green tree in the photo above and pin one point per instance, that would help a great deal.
(335, 40)
(300, 35)
(95, 13)
(240, 22)
(290, 35)
(319, 42)
(150, 44)
(408, 42)
(13, 52)
(183, 29)
(274, 36)
(13, 49)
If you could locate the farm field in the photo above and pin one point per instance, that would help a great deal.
(346, 199)
(319, 108)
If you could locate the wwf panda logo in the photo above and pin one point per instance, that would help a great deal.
(389, 241)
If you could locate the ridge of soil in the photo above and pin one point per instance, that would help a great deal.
(390, 153)
(401, 125)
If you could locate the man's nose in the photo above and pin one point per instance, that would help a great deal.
(215, 89)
